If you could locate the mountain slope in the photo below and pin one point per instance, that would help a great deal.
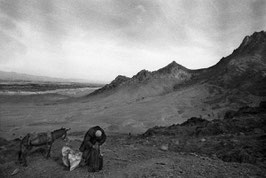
(174, 93)
(244, 69)
(146, 83)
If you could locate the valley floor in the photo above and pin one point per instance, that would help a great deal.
(124, 156)
(45, 112)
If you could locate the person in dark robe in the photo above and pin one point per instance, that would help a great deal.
(92, 141)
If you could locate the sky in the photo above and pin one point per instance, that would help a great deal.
(97, 40)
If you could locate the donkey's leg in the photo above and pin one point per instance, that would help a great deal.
(49, 150)
(24, 160)
(23, 151)
(20, 153)
(25, 154)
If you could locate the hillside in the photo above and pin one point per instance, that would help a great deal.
(174, 93)
(238, 137)
(244, 69)
(146, 83)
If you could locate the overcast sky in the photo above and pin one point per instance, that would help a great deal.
(100, 39)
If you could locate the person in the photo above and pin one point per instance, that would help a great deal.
(92, 141)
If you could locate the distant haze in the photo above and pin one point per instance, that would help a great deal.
(97, 40)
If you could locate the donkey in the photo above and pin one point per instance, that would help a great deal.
(39, 139)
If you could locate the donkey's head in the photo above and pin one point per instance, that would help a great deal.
(60, 133)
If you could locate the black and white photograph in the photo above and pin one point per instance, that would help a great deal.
(133, 88)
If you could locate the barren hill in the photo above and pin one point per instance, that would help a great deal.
(146, 83)
(174, 93)
(244, 69)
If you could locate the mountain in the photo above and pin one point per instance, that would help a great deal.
(174, 93)
(244, 69)
(146, 83)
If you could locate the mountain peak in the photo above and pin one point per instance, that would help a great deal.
(119, 80)
(170, 67)
(253, 43)
(254, 38)
(259, 35)
(121, 77)
(142, 75)
(173, 63)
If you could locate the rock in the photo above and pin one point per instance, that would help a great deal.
(235, 141)
(241, 134)
(3, 141)
(195, 121)
(229, 114)
(258, 131)
(15, 172)
(177, 142)
(263, 104)
(203, 140)
(164, 147)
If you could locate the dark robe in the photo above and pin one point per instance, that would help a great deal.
(89, 140)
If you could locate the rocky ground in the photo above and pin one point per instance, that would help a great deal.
(232, 147)
(124, 156)
(239, 137)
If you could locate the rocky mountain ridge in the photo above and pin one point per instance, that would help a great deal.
(172, 73)
(243, 69)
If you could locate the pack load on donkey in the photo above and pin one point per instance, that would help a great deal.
(39, 139)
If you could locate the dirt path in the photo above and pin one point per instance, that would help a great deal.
(125, 157)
